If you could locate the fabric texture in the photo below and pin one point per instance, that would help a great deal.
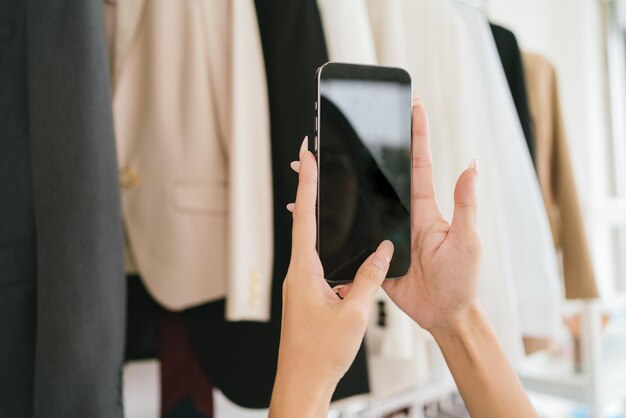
(62, 290)
(154, 332)
(556, 178)
(182, 377)
(142, 321)
(537, 287)
(347, 31)
(79, 240)
(18, 262)
(240, 357)
(511, 59)
(192, 130)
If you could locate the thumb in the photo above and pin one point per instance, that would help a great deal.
(371, 275)
(465, 203)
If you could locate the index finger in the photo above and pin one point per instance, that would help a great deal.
(423, 201)
(304, 218)
(423, 187)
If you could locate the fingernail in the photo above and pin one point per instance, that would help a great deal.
(295, 166)
(305, 146)
(474, 165)
(379, 262)
(336, 289)
(342, 288)
(291, 206)
(385, 243)
(417, 101)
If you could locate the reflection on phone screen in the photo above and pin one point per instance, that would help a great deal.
(365, 179)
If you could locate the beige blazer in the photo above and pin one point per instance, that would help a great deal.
(556, 178)
(192, 130)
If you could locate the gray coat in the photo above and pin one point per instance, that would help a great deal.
(62, 300)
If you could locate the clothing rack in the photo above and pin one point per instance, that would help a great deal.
(595, 385)
(600, 379)
(416, 399)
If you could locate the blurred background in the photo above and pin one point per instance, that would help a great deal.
(144, 170)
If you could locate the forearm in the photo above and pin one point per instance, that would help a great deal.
(485, 378)
(297, 396)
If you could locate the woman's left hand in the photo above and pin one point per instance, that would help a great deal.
(321, 333)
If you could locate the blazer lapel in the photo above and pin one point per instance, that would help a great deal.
(129, 15)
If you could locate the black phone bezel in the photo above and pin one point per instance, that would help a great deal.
(335, 70)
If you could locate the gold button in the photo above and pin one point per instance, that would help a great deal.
(128, 178)
(254, 273)
(254, 302)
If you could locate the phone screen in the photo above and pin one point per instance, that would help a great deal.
(364, 160)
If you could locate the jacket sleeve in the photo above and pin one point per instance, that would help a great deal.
(556, 178)
(249, 165)
(580, 282)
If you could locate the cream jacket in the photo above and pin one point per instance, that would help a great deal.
(192, 131)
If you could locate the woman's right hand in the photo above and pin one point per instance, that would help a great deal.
(440, 290)
(441, 285)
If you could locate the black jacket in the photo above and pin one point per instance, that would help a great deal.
(240, 357)
(511, 59)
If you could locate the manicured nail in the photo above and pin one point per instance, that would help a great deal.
(385, 243)
(336, 289)
(339, 289)
(474, 165)
(290, 207)
(305, 146)
(295, 166)
(417, 101)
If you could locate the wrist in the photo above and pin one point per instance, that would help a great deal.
(300, 394)
(464, 323)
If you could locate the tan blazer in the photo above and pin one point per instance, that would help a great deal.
(556, 178)
(192, 128)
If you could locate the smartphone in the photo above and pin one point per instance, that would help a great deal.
(363, 148)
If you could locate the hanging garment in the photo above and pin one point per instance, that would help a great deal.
(537, 286)
(453, 61)
(192, 131)
(182, 378)
(347, 31)
(429, 39)
(240, 357)
(61, 274)
(142, 321)
(18, 251)
(556, 178)
(397, 357)
(511, 59)
(154, 332)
